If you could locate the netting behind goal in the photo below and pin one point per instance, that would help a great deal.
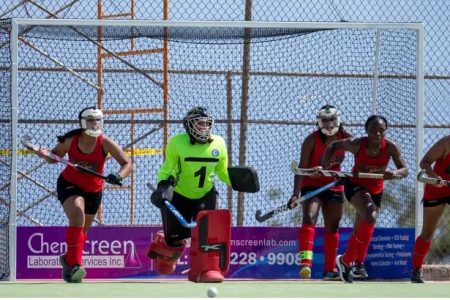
(263, 87)
(5, 146)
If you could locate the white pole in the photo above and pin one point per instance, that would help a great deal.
(375, 72)
(13, 185)
(215, 24)
(419, 127)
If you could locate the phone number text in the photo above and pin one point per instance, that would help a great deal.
(252, 258)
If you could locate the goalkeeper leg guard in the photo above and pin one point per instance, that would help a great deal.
(209, 257)
(165, 256)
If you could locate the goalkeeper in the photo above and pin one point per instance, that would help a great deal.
(80, 194)
(331, 201)
(186, 179)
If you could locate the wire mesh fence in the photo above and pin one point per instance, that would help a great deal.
(437, 69)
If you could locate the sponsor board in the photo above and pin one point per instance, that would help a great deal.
(256, 252)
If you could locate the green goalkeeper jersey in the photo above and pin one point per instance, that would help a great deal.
(194, 166)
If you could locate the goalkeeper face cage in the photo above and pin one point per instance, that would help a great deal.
(198, 123)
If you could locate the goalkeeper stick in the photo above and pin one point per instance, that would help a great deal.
(329, 173)
(26, 142)
(175, 211)
(423, 177)
(261, 218)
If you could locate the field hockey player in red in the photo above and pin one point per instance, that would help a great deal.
(372, 154)
(80, 184)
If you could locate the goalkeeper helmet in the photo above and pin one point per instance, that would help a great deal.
(328, 120)
(198, 123)
(91, 120)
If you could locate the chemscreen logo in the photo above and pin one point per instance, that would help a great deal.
(96, 253)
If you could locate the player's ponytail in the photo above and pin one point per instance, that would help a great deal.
(62, 138)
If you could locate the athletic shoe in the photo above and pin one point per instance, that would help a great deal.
(416, 275)
(345, 273)
(77, 274)
(358, 271)
(331, 276)
(66, 272)
(305, 272)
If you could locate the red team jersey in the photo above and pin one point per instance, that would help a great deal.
(371, 164)
(316, 160)
(441, 168)
(94, 161)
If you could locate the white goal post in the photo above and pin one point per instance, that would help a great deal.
(17, 24)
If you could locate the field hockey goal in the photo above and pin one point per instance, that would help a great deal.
(263, 82)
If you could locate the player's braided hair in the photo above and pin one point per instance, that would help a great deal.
(375, 117)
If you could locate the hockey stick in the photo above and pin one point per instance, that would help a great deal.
(329, 173)
(261, 218)
(175, 211)
(26, 142)
(423, 177)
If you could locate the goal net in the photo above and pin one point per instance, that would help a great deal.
(263, 84)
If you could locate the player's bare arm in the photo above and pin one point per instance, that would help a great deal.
(399, 161)
(440, 149)
(350, 144)
(60, 149)
(109, 146)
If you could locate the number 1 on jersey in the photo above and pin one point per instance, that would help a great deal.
(202, 174)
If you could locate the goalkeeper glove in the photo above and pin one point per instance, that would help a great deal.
(159, 195)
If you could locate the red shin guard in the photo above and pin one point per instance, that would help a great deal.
(306, 243)
(209, 257)
(350, 253)
(75, 244)
(363, 238)
(165, 256)
(331, 244)
(420, 251)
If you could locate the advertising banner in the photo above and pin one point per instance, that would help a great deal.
(115, 252)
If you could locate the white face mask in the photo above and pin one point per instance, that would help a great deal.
(92, 122)
(329, 120)
(93, 132)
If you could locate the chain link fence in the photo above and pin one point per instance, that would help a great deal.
(434, 15)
